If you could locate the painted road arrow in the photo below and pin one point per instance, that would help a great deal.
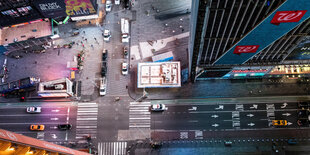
(54, 136)
(286, 114)
(220, 107)
(251, 124)
(215, 125)
(254, 106)
(284, 105)
(289, 123)
(55, 119)
(193, 108)
(250, 115)
(214, 116)
(55, 110)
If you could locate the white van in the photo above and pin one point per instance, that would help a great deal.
(117, 2)
(103, 86)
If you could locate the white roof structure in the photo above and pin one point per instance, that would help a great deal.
(56, 88)
(159, 74)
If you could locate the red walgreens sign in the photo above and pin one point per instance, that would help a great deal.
(287, 16)
(246, 49)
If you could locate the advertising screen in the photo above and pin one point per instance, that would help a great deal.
(302, 52)
(51, 8)
(285, 18)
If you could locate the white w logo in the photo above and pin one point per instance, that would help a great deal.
(287, 16)
(246, 49)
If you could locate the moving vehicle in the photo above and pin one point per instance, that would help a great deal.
(124, 68)
(103, 85)
(106, 35)
(158, 107)
(125, 30)
(279, 122)
(37, 127)
(64, 126)
(126, 53)
(108, 6)
(104, 54)
(33, 110)
(303, 105)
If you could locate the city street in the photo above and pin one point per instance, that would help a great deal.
(15, 118)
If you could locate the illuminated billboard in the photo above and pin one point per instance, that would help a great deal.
(285, 18)
(51, 8)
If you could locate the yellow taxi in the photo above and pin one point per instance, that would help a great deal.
(279, 122)
(36, 127)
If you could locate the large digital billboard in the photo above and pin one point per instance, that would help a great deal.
(51, 8)
(79, 7)
(62, 8)
(301, 52)
(285, 18)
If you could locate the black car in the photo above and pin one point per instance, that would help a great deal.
(103, 71)
(104, 55)
(126, 4)
(303, 114)
(64, 126)
(104, 64)
(303, 105)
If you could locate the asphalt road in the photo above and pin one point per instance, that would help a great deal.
(13, 117)
(197, 115)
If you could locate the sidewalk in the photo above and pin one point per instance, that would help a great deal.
(224, 89)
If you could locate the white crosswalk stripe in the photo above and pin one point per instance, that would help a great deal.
(112, 148)
(139, 115)
(86, 122)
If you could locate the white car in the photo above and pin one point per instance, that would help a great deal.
(33, 110)
(103, 85)
(106, 35)
(158, 107)
(117, 2)
(108, 6)
(124, 68)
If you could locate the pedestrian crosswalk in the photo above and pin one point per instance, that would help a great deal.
(112, 148)
(139, 115)
(86, 122)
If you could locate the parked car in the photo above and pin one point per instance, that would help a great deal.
(158, 107)
(106, 35)
(124, 68)
(126, 53)
(117, 2)
(126, 4)
(103, 71)
(33, 110)
(108, 6)
(103, 84)
(64, 126)
(104, 54)
(37, 127)
(279, 122)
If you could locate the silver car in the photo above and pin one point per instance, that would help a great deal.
(33, 110)
(158, 107)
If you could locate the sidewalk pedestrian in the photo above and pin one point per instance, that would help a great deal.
(95, 38)
(92, 46)
(84, 32)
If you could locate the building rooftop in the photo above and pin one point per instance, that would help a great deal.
(159, 74)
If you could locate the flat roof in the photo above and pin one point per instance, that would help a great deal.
(159, 74)
(21, 32)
